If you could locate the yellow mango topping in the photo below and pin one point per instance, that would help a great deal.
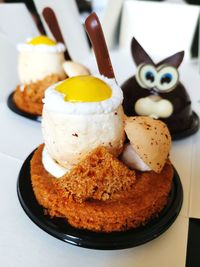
(84, 89)
(42, 39)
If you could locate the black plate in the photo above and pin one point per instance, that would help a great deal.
(12, 106)
(194, 127)
(60, 229)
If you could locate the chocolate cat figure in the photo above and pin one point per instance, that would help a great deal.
(155, 91)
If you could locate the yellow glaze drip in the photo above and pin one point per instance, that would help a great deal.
(84, 89)
(42, 39)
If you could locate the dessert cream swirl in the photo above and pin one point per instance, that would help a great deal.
(54, 101)
(58, 48)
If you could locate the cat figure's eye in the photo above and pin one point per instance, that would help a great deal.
(167, 78)
(146, 76)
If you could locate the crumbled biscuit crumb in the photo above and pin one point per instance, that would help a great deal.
(131, 209)
(98, 176)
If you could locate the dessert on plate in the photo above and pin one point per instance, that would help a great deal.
(156, 91)
(41, 63)
(78, 174)
(85, 172)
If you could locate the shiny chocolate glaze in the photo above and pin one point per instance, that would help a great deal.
(181, 117)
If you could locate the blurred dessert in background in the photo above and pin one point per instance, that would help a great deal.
(41, 63)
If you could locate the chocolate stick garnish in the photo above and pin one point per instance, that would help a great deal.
(95, 33)
(51, 20)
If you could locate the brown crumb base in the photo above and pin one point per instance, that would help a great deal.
(135, 208)
(30, 99)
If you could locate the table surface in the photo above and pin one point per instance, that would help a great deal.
(22, 243)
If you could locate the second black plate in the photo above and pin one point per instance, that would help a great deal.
(60, 229)
(12, 106)
(194, 127)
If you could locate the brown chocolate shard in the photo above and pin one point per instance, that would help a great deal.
(95, 33)
(51, 20)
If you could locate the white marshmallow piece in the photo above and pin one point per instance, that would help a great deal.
(132, 160)
(51, 166)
